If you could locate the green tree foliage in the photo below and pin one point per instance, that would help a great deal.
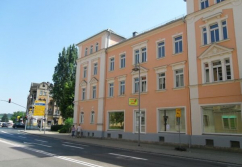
(22, 114)
(67, 126)
(64, 81)
(5, 118)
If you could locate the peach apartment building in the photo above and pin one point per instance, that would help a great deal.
(192, 63)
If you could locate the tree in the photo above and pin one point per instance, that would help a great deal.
(22, 114)
(64, 81)
(5, 118)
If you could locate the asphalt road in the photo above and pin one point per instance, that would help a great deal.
(20, 149)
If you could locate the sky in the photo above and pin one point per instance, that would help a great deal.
(34, 32)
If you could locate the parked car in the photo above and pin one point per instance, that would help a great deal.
(18, 125)
(10, 124)
(1, 123)
(5, 124)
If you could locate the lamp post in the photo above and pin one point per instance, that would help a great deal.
(137, 68)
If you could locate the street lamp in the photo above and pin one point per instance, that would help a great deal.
(137, 68)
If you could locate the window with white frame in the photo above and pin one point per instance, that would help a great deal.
(96, 47)
(204, 35)
(94, 92)
(224, 28)
(91, 49)
(204, 4)
(228, 69)
(122, 61)
(83, 93)
(86, 50)
(116, 120)
(161, 81)
(81, 118)
(218, 1)
(136, 58)
(143, 84)
(178, 44)
(214, 33)
(111, 64)
(217, 71)
(92, 117)
(143, 52)
(121, 87)
(85, 72)
(140, 117)
(136, 85)
(207, 72)
(179, 77)
(110, 92)
(95, 69)
(161, 49)
(140, 54)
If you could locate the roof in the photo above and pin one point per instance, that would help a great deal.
(107, 30)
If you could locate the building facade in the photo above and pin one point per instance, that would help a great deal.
(193, 64)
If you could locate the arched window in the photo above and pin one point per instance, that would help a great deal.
(92, 117)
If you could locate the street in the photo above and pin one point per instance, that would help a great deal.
(19, 148)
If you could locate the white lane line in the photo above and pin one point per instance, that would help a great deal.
(40, 140)
(72, 146)
(53, 155)
(6, 133)
(77, 144)
(128, 156)
(37, 144)
(22, 137)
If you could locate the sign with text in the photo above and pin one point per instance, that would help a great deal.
(133, 101)
(39, 108)
(178, 113)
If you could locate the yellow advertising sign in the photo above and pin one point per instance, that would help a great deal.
(133, 101)
(39, 108)
(178, 113)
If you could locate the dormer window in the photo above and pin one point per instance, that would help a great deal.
(204, 4)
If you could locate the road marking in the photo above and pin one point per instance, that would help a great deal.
(77, 144)
(72, 146)
(128, 156)
(6, 133)
(53, 155)
(40, 140)
(37, 144)
(22, 137)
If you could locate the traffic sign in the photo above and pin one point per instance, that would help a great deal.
(133, 102)
(178, 113)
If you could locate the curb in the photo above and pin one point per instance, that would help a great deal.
(148, 152)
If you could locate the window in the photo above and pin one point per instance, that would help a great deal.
(218, 1)
(161, 81)
(45, 93)
(94, 92)
(111, 64)
(143, 50)
(224, 28)
(41, 92)
(205, 40)
(168, 122)
(228, 70)
(142, 120)
(222, 118)
(91, 49)
(136, 57)
(143, 84)
(95, 69)
(136, 85)
(92, 117)
(161, 49)
(206, 66)
(83, 93)
(179, 76)
(81, 118)
(111, 85)
(217, 71)
(178, 44)
(122, 61)
(116, 120)
(214, 32)
(86, 50)
(84, 72)
(96, 47)
(121, 87)
(204, 4)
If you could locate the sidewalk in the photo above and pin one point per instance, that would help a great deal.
(223, 156)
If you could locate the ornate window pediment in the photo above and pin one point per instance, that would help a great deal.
(215, 50)
(142, 70)
(83, 83)
(93, 80)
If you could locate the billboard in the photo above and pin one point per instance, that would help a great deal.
(39, 108)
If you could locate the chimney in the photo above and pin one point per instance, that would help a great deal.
(135, 34)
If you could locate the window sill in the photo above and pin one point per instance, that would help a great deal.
(161, 90)
(175, 54)
(218, 83)
(142, 93)
(110, 97)
(141, 63)
(179, 88)
(121, 68)
(121, 96)
(110, 71)
(202, 46)
(160, 58)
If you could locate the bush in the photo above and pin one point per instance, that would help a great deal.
(63, 130)
(67, 126)
(56, 127)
